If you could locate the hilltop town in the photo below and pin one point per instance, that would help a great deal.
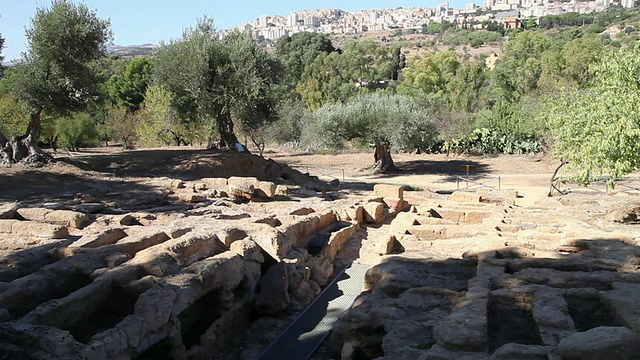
(511, 13)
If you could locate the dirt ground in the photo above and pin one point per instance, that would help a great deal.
(527, 174)
(137, 171)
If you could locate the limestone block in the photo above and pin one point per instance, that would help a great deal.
(384, 245)
(242, 187)
(401, 223)
(229, 234)
(353, 213)
(110, 236)
(373, 212)
(605, 342)
(513, 351)
(551, 313)
(282, 190)
(215, 183)
(33, 228)
(67, 218)
(622, 302)
(295, 228)
(191, 197)
(466, 197)
(8, 210)
(339, 238)
(394, 204)
(274, 242)
(200, 186)
(466, 327)
(429, 232)
(33, 214)
(266, 189)
(176, 184)
(385, 190)
(127, 220)
(248, 249)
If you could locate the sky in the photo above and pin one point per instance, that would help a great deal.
(136, 22)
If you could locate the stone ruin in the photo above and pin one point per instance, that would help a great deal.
(472, 276)
(465, 276)
(83, 280)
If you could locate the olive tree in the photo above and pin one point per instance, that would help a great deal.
(385, 121)
(55, 74)
(221, 80)
(597, 130)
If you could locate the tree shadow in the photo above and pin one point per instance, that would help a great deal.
(449, 169)
(41, 186)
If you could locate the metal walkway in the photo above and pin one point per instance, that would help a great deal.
(305, 334)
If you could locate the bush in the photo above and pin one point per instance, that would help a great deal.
(393, 119)
(288, 127)
(77, 130)
(494, 141)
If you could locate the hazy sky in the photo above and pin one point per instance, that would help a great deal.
(137, 22)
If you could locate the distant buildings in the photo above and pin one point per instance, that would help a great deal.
(334, 21)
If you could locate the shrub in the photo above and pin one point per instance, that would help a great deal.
(77, 130)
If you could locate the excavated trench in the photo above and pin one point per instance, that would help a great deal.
(588, 312)
(510, 320)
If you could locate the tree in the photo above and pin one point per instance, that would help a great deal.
(1, 57)
(161, 125)
(518, 70)
(597, 129)
(77, 130)
(122, 125)
(385, 121)
(127, 90)
(55, 74)
(429, 75)
(338, 76)
(219, 80)
(298, 51)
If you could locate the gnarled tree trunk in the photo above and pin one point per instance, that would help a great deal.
(25, 147)
(382, 158)
(228, 138)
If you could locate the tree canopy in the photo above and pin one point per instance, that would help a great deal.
(128, 89)
(383, 120)
(55, 73)
(598, 128)
(221, 80)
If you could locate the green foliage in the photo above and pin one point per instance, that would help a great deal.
(435, 28)
(598, 128)
(1, 57)
(160, 124)
(566, 19)
(127, 90)
(337, 77)
(223, 80)
(429, 75)
(298, 51)
(61, 42)
(13, 117)
(288, 127)
(518, 70)
(77, 130)
(393, 119)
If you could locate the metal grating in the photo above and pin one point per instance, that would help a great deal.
(305, 334)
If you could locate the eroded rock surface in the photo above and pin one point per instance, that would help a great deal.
(467, 278)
